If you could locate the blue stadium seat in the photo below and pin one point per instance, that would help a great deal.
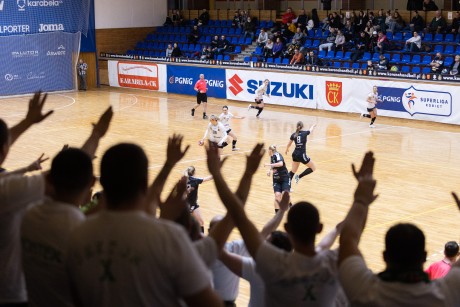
(220, 57)
(416, 69)
(258, 51)
(449, 49)
(338, 55)
(254, 59)
(366, 56)
(322, 54)
(438, 38)
(416, 59)
(438, 48)
(346, 65)
(316, 43)
(329, 55)
(375, 57)
(397, 36)
(285, 61)
(337, 64)
(355, 66)
(405, 69)
(364, 65)
(449, 38)
(347, 56)
(448, 61)
(247, 59)
(277, 61)
(405, 59)
(237, 50)
(426, 60)
(248, 41)
(389, 35)
(270, 60)
(426, 70)
(428, 37)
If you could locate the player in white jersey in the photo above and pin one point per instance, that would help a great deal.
(216, 133)
(372, 100)
(225, 118)
(262, 90)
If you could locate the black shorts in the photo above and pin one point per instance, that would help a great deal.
(370, 109)
(282, 184)
(300, 157)
(259, 101)
(214, 144)
(194, 207)
(201, 97)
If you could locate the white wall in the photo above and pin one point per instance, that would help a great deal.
(129, 13)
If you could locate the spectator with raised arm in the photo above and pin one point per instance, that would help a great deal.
(403, 282)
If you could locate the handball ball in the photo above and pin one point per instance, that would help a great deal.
(200, 142)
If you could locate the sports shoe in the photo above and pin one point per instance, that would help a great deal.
(250, 107)
(193, 112)
(205, 116)
(235, 149)
(258, 115)
(371, 126)
(361, 115)
(296, 178)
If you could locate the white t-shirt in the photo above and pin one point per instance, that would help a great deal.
(225, 119)
(363, 288)
(207, 249)
(261, 91)
(16, 193)
(372, 99)
(293, 279)
(127, 258)
(44, 251)
(226, 283)
(257, 290)
(217, 133)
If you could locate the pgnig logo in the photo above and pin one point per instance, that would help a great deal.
(180, 80)
(22, 4)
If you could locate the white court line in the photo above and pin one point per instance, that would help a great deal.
(73, 101)
(135, 102)
(67, 105)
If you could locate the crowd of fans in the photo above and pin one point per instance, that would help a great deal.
(123, 255)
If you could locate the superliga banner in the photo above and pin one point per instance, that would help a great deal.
(297, 90)
(22, 17)
(37, 62)
(138, 75)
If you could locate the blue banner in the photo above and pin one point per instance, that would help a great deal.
(22, 17)
(391, 98)
(182, 80)
(37, 62)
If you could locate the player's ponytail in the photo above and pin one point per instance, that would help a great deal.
(272, 148)
(299, 127)
(190, 171)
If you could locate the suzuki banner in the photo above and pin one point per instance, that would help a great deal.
(182, 79)
(38, 62)
(146, 76)
(297, 90)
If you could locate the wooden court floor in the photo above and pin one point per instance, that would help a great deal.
(417, 163)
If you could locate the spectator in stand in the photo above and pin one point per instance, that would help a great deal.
(336, 22)
(313, 59)
(194, 35)
(417, 23)
(454, 27)
(382, 43)
(370, 28)
(353, 18)
(330, 40)
(176, 53)
(383, 62)
(438, 63)
(223, 45)
(414, 44)
(371, 18)
(438, 24)
(268, 49)
(455, 67)
(388, 18)
(249, 28)
(361, 43)
(290, 48)
(373, 41)
(204, 54)
(298, 58)
(203, 19)
(370, 65)
(236, 21)
(299, 36)
(380, 21)
(215, 45)
(289, 16)
(315, 18)
(340, 41)
(302, 20)
(429, 5)
(169, 51)
(349, 30)
(291, 29)
(361, 22)
(396, 23)
(403, 282)
(441, 268)
(310, 25)
(327, 22)
(177, 18)
(262, 39)
(278, 35)
(278, 48)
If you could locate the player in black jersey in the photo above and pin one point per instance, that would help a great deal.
(192, 193)
(281, 179)
(299, 154)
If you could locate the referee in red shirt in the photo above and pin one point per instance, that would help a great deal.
(201, 97)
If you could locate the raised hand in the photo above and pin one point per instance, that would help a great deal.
(214, 162)
(367, 167)
(364, 193)
(36, 165)
(254, 158)
(102, 125)
(457, 200)
(34, 113)
(176, 202)
(173, 152)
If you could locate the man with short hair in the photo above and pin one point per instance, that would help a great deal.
(403, 282)
(438, 24)
(414, 44)
(441, 268)
(262, 39)
(123, 256)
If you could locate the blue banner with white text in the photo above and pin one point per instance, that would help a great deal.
(182, 79)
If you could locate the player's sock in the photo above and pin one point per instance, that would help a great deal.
(202, 229)
(373, 120)
(276, 211)
(291, 174)
(260, 111)
(193, 112)
(233, 144)
(306, 172)
(367, 115)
